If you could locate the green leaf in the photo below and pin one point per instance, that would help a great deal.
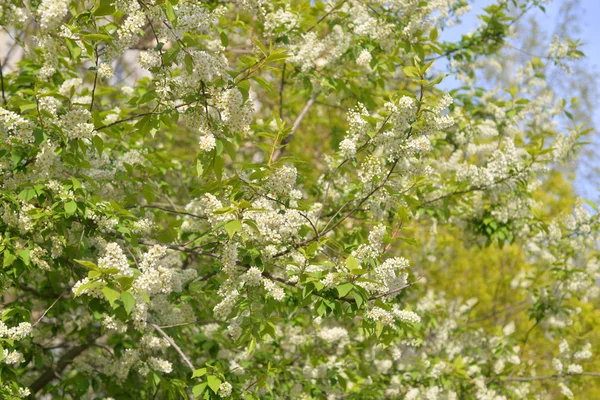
(251, 347)
(94, 274)
(97, 37)
(74, 49)
(358, 298)
(224, 39)
(125, 282)
(24, 255)
(198, 389)
(76, 183)
(344, 289)
(276, 57)
(262, 83)
(148, 193)
(232, 227)
(169, 11)
(214, 383)
(199, 372)
(352, 263)
(103, 7)
(98, 144)
(128, 301)
(70, 208)
(260, 46)
(170, 54)
(433, 35)
(411, 72)
(87, 264)
(9, 258)
(110, 294)
(189, 64)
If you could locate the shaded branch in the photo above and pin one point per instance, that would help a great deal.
(53, 371)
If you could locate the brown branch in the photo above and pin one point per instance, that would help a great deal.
(54, 371)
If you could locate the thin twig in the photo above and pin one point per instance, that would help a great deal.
(177, 348)
(169, 210)
(396, 290)
(296, 125)
(341, 3)
(48, 309)
(281, 85)
(181, 248)
(2, 82)
(95, 79)
(538, 378)
(181, 324)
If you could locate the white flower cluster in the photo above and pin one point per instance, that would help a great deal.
(36, 254)
(12, 357)
(52, 12)
(18, 332)
(388, 318)
(207, 67)
(105, 71)
(362, 23)
(375, 246)
(236, 114)
(357, 130)
(14, 129)
(149, 59)
(70, 86)
(224, 308)
(253, 277)
(207, 142)
(143, 226)
(112, 324)
(88, 287)
(154, 278)
(364, 59)
(333, 335)
(273, 290)
(160, 365)
(564, 389)
(282, 20)
(276, 223)
(193, 16)
(225, 389)
(114, 260)
(75, 124)
(388, 277)
(282, 182)
(131, 28)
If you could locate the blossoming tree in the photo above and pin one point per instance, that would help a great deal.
(278, 199)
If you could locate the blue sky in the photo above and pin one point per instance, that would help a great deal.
(588, 20)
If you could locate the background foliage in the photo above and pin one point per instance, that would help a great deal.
(275, 199)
